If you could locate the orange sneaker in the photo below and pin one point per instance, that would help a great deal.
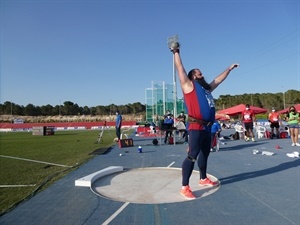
(207, 182)
(187, 193)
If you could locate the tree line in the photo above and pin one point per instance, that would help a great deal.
(68, 108)
(264, 100)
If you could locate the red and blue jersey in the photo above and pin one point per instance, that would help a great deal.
(199, 105)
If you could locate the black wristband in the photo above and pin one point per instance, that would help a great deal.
(175, 50)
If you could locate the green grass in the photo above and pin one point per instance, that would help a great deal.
(69, 148)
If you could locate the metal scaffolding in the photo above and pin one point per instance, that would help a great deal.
(160, 98)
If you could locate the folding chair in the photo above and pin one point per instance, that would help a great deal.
(261, 132)
(241, 130)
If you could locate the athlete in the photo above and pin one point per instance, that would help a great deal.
(200, 109)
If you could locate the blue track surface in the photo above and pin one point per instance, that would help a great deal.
(256, 189)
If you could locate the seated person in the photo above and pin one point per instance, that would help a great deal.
(182, 118)
(153, 127)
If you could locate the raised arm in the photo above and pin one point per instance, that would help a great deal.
(219, 79)
(185, 83)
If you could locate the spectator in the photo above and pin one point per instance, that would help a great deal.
(274, 123)
(248, 118)
(168, 113)
(182, 118)
(169, 122)
(118, 124)
(215, 133)
(293, 122)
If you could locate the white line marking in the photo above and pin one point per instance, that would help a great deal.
(21, 185)
(122, 208)
(116, 213)
(270, 207)
(170, 164)
(36, 161)
(261, 201)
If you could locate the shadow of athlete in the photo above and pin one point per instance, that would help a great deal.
(259, 173)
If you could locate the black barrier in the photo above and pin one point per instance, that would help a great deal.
(48, 130)
(43, 130)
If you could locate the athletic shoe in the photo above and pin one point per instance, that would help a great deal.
(211, 149)
(247, 139)
(253, 139)
(294, 144)
(207, 182)
(297, 144)
(187, 193)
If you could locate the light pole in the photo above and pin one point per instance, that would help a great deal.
(59, 108)
(11, 111)
(283, 97)
(110, 110)
(172, 40)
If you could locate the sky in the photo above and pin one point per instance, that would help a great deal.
(102, 52)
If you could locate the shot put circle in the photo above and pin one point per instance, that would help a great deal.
(153, 185)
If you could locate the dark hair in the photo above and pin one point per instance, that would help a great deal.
(247, 105)
(191, 74)
(291, 107)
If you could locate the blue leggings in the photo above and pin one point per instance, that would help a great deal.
(199, 146)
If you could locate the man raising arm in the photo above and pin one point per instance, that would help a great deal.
(201, 114)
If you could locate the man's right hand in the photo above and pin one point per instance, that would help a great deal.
(175, 47)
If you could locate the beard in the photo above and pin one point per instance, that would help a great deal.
(203, 83)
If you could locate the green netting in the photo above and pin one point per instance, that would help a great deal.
(159, 98)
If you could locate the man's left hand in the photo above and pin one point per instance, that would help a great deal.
(235, 65)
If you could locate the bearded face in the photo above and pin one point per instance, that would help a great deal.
(203, 83)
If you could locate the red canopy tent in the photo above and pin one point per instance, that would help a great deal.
(238, 109)
(297, 107)
(222, 117)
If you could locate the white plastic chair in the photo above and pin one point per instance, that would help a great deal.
(240, 129)
(126, 136)
(261, 132)
(152, 130)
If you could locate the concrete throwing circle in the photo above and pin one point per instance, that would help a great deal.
(149, 186)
